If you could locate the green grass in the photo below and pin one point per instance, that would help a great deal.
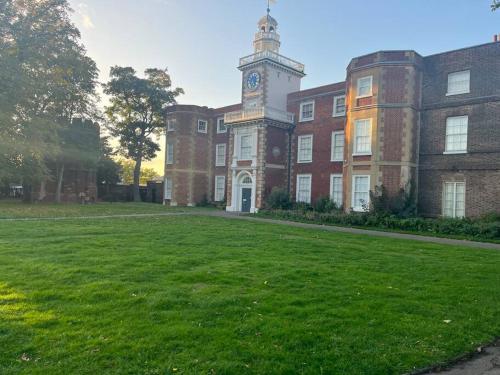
(16, 209)
(206, 295)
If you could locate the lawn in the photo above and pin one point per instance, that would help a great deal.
(208, 295)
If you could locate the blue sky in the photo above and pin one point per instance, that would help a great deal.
(200, 41)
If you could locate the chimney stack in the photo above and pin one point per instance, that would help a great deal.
(495, 38)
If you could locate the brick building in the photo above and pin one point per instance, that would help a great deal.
(427, 124)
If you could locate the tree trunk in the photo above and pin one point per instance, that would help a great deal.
(27, 193)
(60, 175)
(137, 176)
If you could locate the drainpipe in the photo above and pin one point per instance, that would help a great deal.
(289, 177)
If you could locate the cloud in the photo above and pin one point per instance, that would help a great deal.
(84, 12)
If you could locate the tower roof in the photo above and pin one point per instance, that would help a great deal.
(268, 20)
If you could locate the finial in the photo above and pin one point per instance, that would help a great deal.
(268, 7)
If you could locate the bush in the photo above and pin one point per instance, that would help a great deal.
(278, 199)
(325, 204)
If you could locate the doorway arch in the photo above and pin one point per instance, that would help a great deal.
(245, 191)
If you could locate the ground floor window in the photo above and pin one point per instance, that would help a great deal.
(336, 189)
(454, 199)
(168, 188)
(220, 188)
(304, 188)
(360, 193)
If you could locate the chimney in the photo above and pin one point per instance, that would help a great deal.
(496, 38)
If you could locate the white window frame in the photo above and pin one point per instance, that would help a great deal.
(458, 92)
(168, 188)
(206, 126)
(353, 193)
(220, 163)
(447, 146)
(219, 197)
(334, 176)
(301, 117)
(300, 139)
(454, 200)
(219, 120)
(170, 125)
(297, 192)
(335, 100)
(170, 153)
(240, 147)
(358, 95)
(333, 146)
(362, 153)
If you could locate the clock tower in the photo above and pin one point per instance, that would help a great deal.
(260, 134)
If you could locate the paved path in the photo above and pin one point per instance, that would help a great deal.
(329, 228)
(485, 363)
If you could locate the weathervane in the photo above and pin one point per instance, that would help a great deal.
(269, 2)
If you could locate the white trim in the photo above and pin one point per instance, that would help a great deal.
(450, 75)
(168, 192)
(358, 96)
(218, 123)
(448, 123)
(217, 164)
(297, 187)
(219, 198)
(332, 146)
(170, 147)
(332, 176)
(301, 118)
(299, 141)
(206, 126)
(443, 199)
(353, 187)
(170, 125)
(355, 146)
(335, 100)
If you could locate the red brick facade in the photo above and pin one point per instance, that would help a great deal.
(407, 109)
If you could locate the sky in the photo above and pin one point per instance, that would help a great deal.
(201, 41)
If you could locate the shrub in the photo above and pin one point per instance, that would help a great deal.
(278, 199)
(325, 204)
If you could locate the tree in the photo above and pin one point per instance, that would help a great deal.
(137, 111)
(495, 5)
(46, 80)
(127, 168)
(108, 170)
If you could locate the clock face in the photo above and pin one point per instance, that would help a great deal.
(253, 80)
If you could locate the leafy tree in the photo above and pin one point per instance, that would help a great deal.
(495, 5)
(108, 170)
(127, 168)
(136, 113)
(46, 79)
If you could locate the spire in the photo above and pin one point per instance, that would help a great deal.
(267, 37)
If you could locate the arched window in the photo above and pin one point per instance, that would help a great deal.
(246, 180)
(271, 29)
(263, 29)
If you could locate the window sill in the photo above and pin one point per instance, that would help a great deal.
(364, 96)
(454, 152)
(338, 115)
(457, 93)
(303, 162)
(362, 154)
(337, 160)
(220, 165)
(306, 120)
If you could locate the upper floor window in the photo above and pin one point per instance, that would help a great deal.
(363, 137)
(168, 187)
(454, 199)
(220, 155)
(304, 151)
(456, 134)
(339, 106)
(360, 193)
(170, 125)
(221, 128)
(306, 111)
(246, 147)
(303, 188)
(459, 83)
(170, 153)
(364, 87)
(337, 146)
(202, 126)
